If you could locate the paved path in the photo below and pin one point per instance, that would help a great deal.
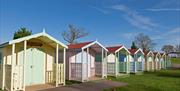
(89, 86)
(176, 66)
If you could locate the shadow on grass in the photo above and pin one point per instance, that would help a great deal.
(167, 73)
(134, 88)
(70, 82)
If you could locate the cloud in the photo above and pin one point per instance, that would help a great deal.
(163, 9)
(129, 35)
(170, 37)
(100, 10)
(135, 19)
(165, 5)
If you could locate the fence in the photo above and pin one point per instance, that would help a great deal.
(111, 68)
(49, 77)
(98, 68)
(1, 74)
(139, 66)
(132, 66)
(60, 73)
(8, 77)
(18, 77)
(122, 67)
(76, 71)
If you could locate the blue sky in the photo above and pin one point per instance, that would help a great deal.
(109, 21)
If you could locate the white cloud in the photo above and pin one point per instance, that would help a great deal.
(129, 35)
(163, 9)
(171, 33)
(135, 19)
(170, 37)
(100, 10)
(166, 5)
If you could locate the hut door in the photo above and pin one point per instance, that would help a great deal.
(35, 66)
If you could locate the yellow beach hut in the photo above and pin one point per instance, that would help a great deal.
(32, 60)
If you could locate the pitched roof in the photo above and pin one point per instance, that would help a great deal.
(78, 45)
(42, 36)
(146, 52)
(155, 53)
(85, 45)
(162, 54)
(114, 48)
(132, 51)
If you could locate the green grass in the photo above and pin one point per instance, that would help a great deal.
(164, 80)
(175, 60)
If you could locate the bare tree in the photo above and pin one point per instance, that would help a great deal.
(73, 33)
(177, 48)
(144, 42)
(168, 48)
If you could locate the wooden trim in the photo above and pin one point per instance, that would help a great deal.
(57, 57)
(64, 57)
(12, 64)
(82, 63)
(102, 58)
(24, 63)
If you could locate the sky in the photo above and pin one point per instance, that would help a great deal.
(111, 22)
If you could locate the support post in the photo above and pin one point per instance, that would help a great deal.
(3, 70)
(106, 63)
(118, 62)
(24, 64)
(127, 62)
(57, 57)
(102, 58)
(82, 67)
(64, 61)
(87, 62)
(147, 63)
(142, 65)
(156, 64)
(165, 62)
(12, 65)
(115, 64)
(135, 59)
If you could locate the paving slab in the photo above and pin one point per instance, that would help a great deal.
(89, 86)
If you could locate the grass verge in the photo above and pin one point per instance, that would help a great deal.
(164, 80)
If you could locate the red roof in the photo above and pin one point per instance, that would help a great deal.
(113, 49)
(162, 54)
(155, 53)
(146, 52)
(132, 51)
(78, 45)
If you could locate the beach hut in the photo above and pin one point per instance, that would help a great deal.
(86, 61)
(117, 61)
(157, 57)
(149, 60)
(162, 61)
(31, 60)
(136, 60)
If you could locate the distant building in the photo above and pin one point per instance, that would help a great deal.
(174, 54)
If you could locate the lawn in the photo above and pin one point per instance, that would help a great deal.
(164, 80)
(175, 60)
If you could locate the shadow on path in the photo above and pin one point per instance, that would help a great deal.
(89, 86)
